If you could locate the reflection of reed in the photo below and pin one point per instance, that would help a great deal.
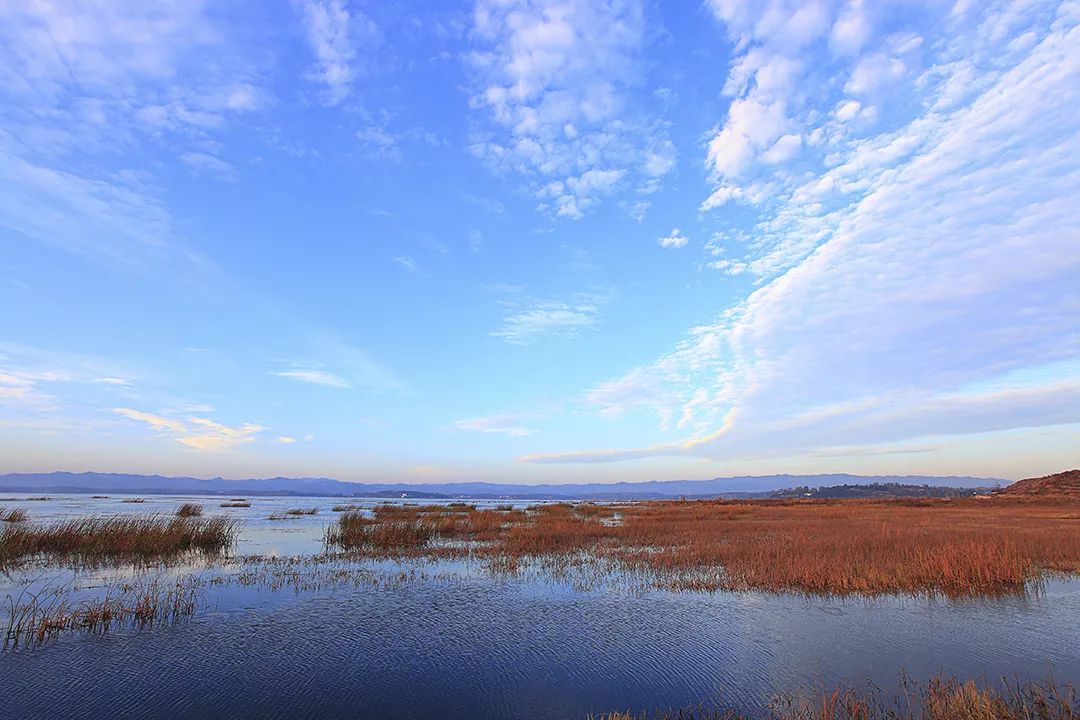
(941, 698)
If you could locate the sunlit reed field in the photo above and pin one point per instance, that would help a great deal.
(950, 547)
(122, 537)
(941, 698)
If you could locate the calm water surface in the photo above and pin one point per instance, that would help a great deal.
(452, 642)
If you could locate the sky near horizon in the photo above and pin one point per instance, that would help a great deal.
(540, 240)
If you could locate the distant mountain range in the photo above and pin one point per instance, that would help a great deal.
(741, 486)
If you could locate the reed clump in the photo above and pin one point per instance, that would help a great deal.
(189, 510)
(98, 538)
(354, 530)
(13, 516)
(236, 504)
(134, 500)
(293, 513)
(922, 545)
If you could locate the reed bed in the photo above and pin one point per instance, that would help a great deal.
(95, 538)
(236, 504)
(293, 513)
(34, 618)
(189, 510)
(13, 516)
(134, 500)
(948, 547)
(941, 698)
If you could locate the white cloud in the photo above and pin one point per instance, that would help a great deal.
(379, 143)
(207, 163)
(84, 83)
(873, 73)
(285, 439)
(851, 30)
(406, 262)
(943, 262)
(532, 321)
(674, 239)
(783, 149)
(332, 363)
(197, 433)
(315, 377)
(553, 78)
(509, 425)
(334, 32)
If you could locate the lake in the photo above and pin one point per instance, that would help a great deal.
(449, 640)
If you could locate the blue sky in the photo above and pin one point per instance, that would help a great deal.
(540, 241)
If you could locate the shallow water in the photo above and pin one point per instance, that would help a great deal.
(453, 642)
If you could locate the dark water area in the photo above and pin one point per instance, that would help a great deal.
(480, 648)
(452, 641)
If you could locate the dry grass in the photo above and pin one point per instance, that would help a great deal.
(293, 513)
(950, 547)
(34, 618)
(12, 516)
(236, 504)
(942, 698)
(91, 539)
(189, 510)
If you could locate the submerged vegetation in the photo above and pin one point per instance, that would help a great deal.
(92, 539)
(941, 698)
(34, 618)
(951, 547)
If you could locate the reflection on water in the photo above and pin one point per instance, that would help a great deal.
(447, 640)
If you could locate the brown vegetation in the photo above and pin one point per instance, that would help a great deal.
(951, 547)
(293, 513)
(189, 510)
(942, 698)
(236, 504)
(1064, 483)
(133, 500)
(11, 516)
(124, 537)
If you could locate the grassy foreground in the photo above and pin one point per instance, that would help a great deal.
(950, 547)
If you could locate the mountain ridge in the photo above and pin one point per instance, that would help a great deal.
(735, 486)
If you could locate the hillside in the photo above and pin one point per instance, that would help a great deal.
(1062, 483)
